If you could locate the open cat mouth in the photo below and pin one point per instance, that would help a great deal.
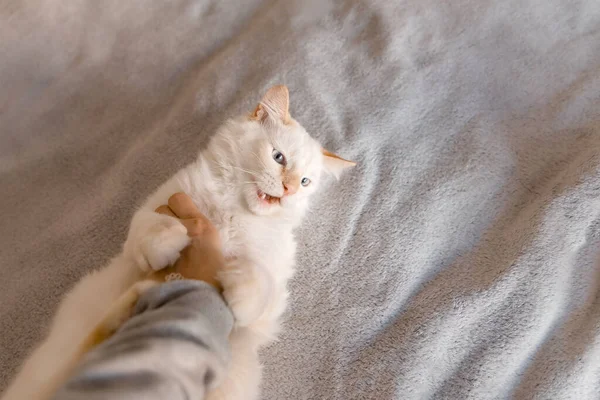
(267, 198)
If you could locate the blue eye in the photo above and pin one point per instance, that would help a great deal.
(305, 181)
(279, 157)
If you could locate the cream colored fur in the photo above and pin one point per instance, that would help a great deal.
(258, 242)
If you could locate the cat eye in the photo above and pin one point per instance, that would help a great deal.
(305, 181)
(279, 157)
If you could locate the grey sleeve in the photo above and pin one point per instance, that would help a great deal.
(174, 347)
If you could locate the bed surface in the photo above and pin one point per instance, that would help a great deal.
(458, 260)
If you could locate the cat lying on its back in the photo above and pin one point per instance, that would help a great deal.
(253, 181)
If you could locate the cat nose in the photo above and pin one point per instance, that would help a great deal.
(289, 190)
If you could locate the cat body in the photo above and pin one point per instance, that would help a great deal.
(253, 182)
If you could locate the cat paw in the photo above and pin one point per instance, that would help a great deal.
(155, 242)
(246, 293)
(245, 304)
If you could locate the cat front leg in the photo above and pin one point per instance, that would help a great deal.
(155, 241)
(247, 289)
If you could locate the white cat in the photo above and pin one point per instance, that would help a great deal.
(253, 181)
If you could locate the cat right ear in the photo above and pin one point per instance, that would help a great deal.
(275, 104)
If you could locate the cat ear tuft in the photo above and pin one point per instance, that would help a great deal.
(274, 104)
(334, 164)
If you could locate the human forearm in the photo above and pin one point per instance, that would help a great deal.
(174, 346)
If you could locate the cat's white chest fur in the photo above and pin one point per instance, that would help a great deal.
(260, 250)
(271, 245)
(267, 241)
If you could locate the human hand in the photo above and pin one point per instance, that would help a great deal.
(203, 258)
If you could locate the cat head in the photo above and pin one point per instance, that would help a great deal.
(274, 164)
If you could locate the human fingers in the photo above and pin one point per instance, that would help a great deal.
(165, 210)
(183, 206)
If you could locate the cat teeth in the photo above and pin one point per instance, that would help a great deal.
(267, 197)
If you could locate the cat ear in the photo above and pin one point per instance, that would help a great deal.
(335, 164)
(274, 104)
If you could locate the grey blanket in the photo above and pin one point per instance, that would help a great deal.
(459, 260)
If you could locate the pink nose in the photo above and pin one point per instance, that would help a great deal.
(289, 190)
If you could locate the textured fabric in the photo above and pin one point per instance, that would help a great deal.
(458, 260)
(173, 347)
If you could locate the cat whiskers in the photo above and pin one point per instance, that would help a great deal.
(225, 167)
(253, 173)
(259, 160)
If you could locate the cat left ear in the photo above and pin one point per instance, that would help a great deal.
(274, 104)
(335, 164)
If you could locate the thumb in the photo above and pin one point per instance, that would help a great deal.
(197, 226)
